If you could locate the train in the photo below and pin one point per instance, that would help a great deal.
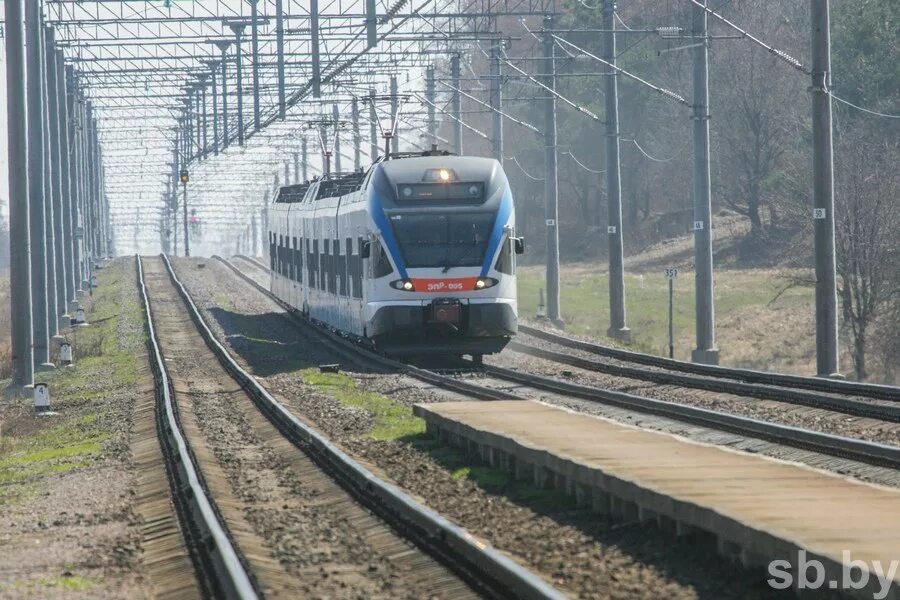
(415, 255)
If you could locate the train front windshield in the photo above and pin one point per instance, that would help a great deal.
(449, 240)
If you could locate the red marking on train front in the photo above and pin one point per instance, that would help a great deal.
(457, 284)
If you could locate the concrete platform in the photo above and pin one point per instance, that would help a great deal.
(759, 509)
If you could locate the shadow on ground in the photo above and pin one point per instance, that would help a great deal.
(270, 344)
(692, 560)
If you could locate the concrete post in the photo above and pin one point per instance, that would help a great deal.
(50, 187)
(215, 105)
(223, 47)
(56, 170)
(551, 184)
(706, 351)
(357, 140)
(279, 49)
(373, 128)
(335, 116)
(37, 215)
(827, 356)
(430, 97)
(395, 110)
(304, 159)
(496, 101)
(238, 31)
(19, 243)
(314, 42)
(68, 184)
(617, 325)
(455, 105)
(254, 48)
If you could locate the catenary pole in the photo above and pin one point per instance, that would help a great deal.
(279, 49)
(429, 96)
(223, 47)
(455, 105)
(617, 324)
(50, 187)
(706, 351)
(373, 127)
(357, 140)
(496, 100)
(238, 32)
(19, 238)
(213, 66)
(551, 183)
(305, 157)
(68, 186)
(56, 168)
(254, 48)
(827, 357)
(37, 224)
(335, 117)
(395, 111)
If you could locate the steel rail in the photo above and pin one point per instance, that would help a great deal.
(871, 453)
(490, 570)
(217, 561)
(355, 352)
(717, 384)
(832, 386)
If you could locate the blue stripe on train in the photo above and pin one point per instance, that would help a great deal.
(376, 209)
(506, 205)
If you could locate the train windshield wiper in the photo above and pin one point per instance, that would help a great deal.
(456, 259)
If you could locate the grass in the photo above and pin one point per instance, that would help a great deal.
(739, 295)
(395, 422)
(31, 449)
(392, 421)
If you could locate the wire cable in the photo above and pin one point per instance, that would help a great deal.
(653, 158)
(527, 174)
(663, 91)
(779, 54)
(582, 165)
(865, 110)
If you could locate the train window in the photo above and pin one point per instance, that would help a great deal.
(323, 258)
(281, 255)
(382, 265)
(295, 262)
(271, 251)
(299, 251)
(333, 267)
(310, 265)
(505, 262)
(317, 271)
(452, 240)
(347, 287)
(357, 270)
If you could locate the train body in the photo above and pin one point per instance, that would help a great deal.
(416, 255)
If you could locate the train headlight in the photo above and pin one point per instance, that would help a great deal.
(444, 174)
(407, 192)
(404, 285)
(482, 283)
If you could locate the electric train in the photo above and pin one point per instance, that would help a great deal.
(416, 255)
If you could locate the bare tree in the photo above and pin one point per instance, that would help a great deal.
(867, 234)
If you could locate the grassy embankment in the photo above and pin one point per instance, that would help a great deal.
(33, 450)
(759, 323)
(394, 422)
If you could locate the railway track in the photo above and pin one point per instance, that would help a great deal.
(481, 569)
(772, 381)
(221, 571)
(866, 452)
(885, 411)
